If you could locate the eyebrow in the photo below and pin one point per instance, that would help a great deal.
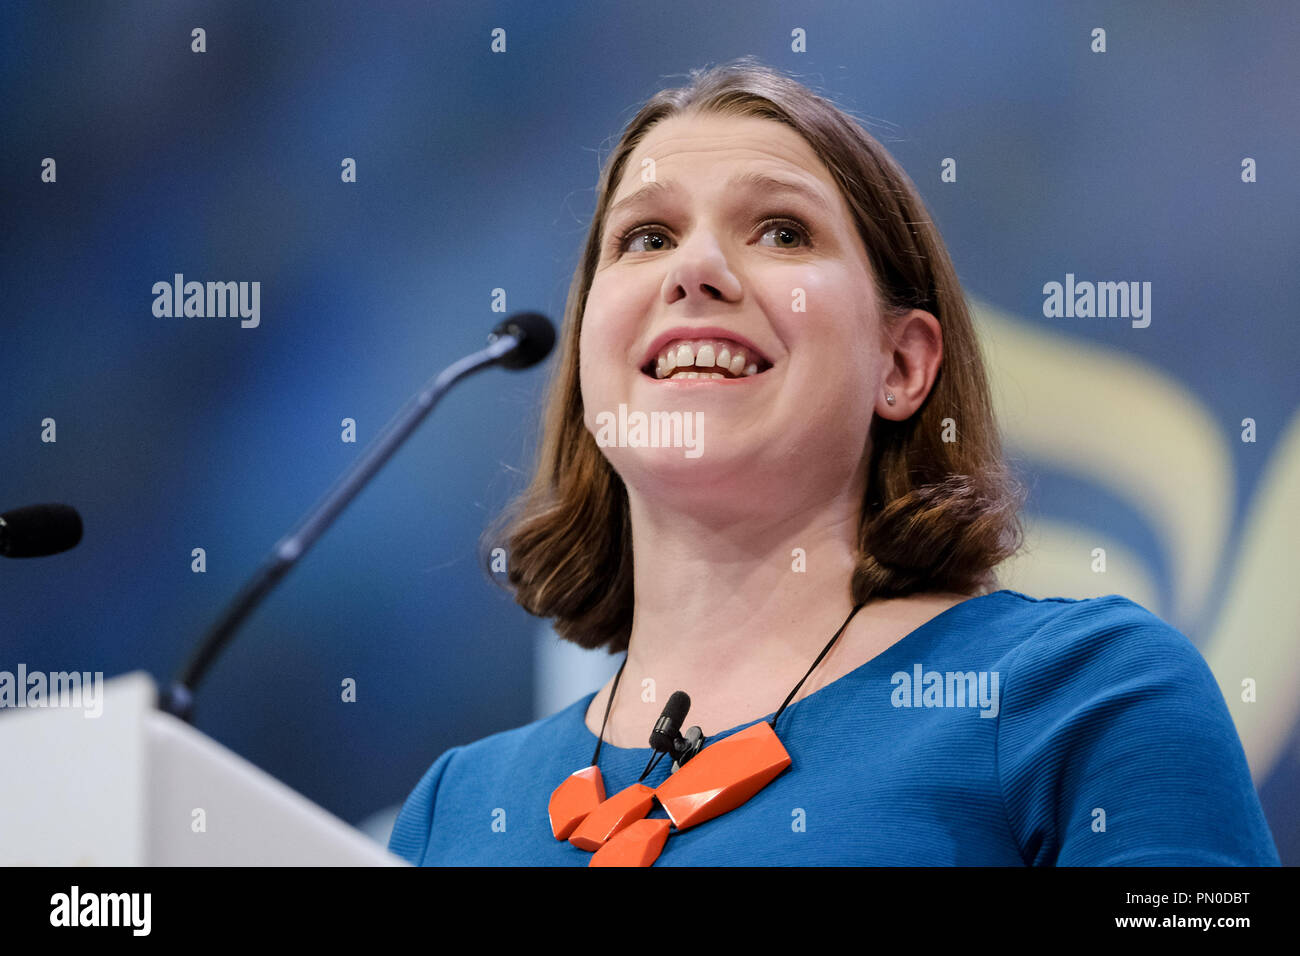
(752, 181)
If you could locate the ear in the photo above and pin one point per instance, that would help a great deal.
(916, 352)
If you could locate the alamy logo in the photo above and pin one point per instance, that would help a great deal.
(209, 300)
(55, 689)
(656, 430)
(923, 688)
(1102, 300)
(102, 909)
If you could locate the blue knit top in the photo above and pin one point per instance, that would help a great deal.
(1006, 731)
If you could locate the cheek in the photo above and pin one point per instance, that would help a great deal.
(609, 332)
(594, 351)
(807, 310)
(588, 385)
(833, 379)
(596, 370)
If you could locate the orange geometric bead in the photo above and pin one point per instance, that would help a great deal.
(723, 775)
(581, 792)
(638, 844)
(615, 813)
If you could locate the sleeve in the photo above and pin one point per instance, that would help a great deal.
(1115, 747)
(410, 836)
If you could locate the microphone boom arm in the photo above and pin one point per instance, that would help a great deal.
(178, 699)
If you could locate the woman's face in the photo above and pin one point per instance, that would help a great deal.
(721, 257)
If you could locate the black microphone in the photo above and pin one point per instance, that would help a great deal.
(519, 342)
(666, 738)
(37, 530)
(533, 335)
(666, 728)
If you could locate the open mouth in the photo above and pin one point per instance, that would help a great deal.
(705, 361)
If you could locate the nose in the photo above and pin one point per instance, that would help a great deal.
(699, 270)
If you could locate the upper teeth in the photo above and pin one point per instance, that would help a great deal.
(726, 356)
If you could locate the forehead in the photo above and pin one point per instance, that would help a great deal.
(712, 145)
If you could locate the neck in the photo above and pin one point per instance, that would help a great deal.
(731, 612)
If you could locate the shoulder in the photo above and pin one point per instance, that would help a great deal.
(464, 773)
(1115, 745)
(520, 746)
(1071, 656)
(1078, 642)
(1017, 634)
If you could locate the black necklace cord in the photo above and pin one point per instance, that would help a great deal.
(650, 767)
(825, 651)
(595, 758)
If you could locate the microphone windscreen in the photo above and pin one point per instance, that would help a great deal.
(537, 338)
(677, 707)
(668, 727)
(38, 530)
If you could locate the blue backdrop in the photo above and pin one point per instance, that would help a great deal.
(476, 172)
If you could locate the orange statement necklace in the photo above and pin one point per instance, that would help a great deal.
(720, 778)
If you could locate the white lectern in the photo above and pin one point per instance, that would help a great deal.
(137, 787)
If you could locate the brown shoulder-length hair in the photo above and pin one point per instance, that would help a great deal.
(937, 515)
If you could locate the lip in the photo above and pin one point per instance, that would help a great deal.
(702, 332)
(688, 382)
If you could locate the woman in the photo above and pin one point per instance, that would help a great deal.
(759, 264)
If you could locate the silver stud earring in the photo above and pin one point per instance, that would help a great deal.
(889, 397)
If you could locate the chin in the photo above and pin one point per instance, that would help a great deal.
(721, 474)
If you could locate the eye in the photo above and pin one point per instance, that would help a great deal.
(637, 233)
(784, 227)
